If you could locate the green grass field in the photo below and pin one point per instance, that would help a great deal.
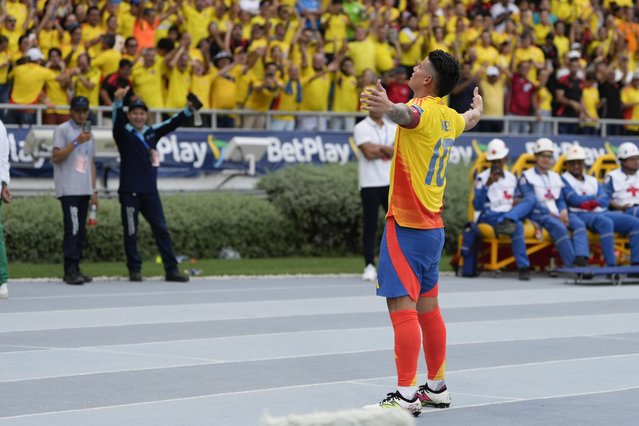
(214, 267)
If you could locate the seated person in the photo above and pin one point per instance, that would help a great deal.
(622, 184)
(543, 187)
(588, 200)
(495, 200)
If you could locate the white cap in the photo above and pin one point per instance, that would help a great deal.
(635, 75)
(492, 71)
(496, 150)
(576, 45)
(34, 54)
(627, 150)
(575, 152)
(543, 145)
(574, 54)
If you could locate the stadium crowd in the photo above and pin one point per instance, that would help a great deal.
(542, 58)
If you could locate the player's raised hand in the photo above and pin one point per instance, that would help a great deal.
(478, 102)
(376, 99)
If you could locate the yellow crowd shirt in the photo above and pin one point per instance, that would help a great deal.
(590, 99)
(107, 62)
(630, 94)
(315, 92)
(412, 56)
(346, 97)
(179, 85)
(224, 92)
(289, 99)
(28, 82)
(493, 95)
(148, 84)
(201, 87)
(418, 171)
(56, 94)
(93, 95)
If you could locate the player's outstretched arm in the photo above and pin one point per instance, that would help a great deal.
(376, 100)
(473, 115)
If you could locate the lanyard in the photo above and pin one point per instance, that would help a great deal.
(141, 138)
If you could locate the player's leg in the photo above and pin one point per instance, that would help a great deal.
(396, 282)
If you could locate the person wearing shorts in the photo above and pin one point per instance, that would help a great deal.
(408, 272)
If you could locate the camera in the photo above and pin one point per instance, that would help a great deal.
(86, 126)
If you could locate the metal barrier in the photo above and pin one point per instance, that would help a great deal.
(156, 114)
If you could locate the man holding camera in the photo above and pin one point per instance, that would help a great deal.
(138, 192)
(74, 175)
(495, 192)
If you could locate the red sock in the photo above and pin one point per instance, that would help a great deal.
(407, 346)
(434, 332)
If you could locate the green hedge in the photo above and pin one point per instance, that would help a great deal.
(310, 210)
(200, 224)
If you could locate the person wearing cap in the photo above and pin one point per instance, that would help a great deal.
(224, 87)
(147, 79)
(29, 80)
(622, 184)
(495, 199)
(589, 201)
(5, 198)
(630, 104)
(544, 188)
(492, 86)
(568, 95)
(75, 183)
(138, 192)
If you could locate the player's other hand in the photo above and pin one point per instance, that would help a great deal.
(376, 99)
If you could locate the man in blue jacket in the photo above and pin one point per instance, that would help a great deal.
(543, 186)
(588, 199)
(495, 192)
(138, 192)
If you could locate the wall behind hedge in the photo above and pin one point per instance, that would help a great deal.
(309, 210)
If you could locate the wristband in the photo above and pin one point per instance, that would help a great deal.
(75, 143)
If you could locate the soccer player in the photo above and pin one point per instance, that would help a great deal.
(414, 233)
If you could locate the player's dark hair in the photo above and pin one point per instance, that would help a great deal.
(447, 71)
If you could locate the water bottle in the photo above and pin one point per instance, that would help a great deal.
(92, 216)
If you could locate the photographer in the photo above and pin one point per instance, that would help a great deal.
(74, 176)
(138, 192)
(495, 191)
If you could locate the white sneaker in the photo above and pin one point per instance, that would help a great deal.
(438, 399)
(370, 273)
(4, 291)
(395, 400)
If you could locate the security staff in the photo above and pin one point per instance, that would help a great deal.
(74, 176)
(495, 192)
(138, 192)
(543, 187)
(622, 184)
(588, 200)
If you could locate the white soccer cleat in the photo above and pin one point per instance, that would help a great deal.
(4, 291)
(438, 399)
(370, 273)
(394, 401)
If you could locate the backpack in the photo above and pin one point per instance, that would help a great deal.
(471, 246)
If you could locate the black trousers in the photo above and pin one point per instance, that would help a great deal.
(74, 214)
(150, 205)
(372, 199)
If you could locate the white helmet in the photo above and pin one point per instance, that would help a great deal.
(575, 152)
(627, 150)
(542, 145)
(496, 150)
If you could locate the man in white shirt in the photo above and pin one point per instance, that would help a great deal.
(501, 12)
(374, 137)
(5, 195)
(622, 184)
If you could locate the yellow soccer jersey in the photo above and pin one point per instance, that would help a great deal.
(418, 172)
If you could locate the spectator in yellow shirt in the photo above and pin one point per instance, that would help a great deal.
(92, 31)
(72, 49)
(315, 87)
(147, 79)
(56, 90)
(28, 82)
(289, 99)
(108, 60)
(224, 89)
(13, 32)
(5, 83)
(542, 104)
(360, 51)
(49, 31)
(85, 81)
(345, 97)
(590, 101)
(262, 92)
(130, 50)
(197, 16)
(179, 76)
(411, 41)
(492, 87)
(630, 104)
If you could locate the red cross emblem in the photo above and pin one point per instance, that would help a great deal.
(633, 191)
(548, 195)
(584, 193)
(507, 195)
